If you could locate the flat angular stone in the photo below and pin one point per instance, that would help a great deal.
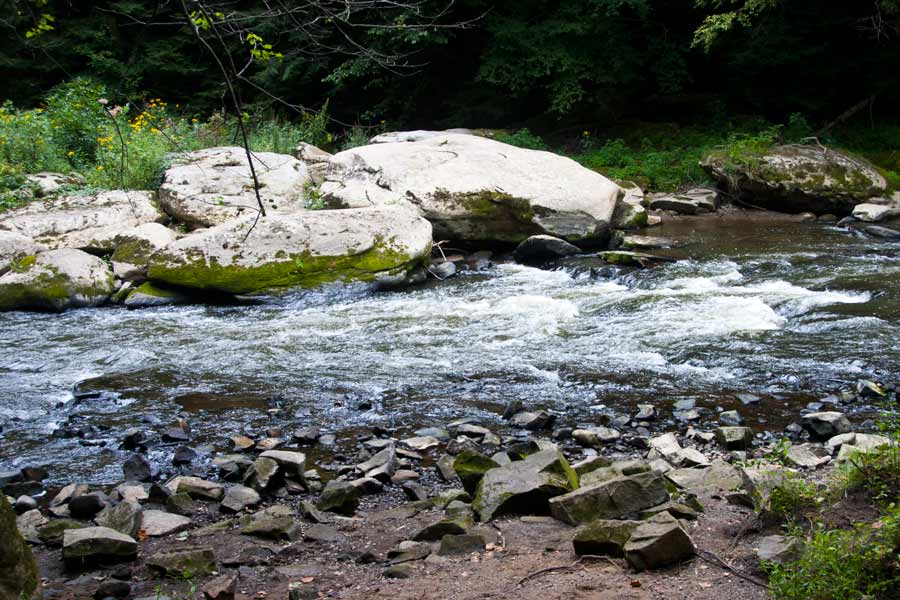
(614, 499)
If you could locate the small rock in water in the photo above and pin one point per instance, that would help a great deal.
(544, 247)
(442, 270)
(184, 456)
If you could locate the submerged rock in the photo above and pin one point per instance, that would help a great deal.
(384, 244)
(56, 280)
(477, 189)
(798, 178)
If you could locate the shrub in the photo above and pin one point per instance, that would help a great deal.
(859, 563)
(523, 138)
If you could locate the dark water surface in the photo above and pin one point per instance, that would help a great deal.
(780, 309)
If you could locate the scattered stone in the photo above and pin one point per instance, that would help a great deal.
(402, 571)
(658, 542)
(275, 522)
(461, 544)
(603, 537)
(731, 418)
(324, 534)
(182, 563)
(691, 202)
(306, 436)
(449, 526)
(409, 551)
(614, 499)
(422, 443)
(543, 247)
(645, 412)
(825, 425)
(97, 543)
(807, 456)
(734, 438)
(748, 399)
(125, 517)
(239, 497)
(778, 549)
(718, 476)
(470, 467)
(414, 491)
(184, 456)
(340, 497)
(196, 487)
(86, 506)
(222, 587)
(112, 589)
(24, 504)
(158, 523)
(524, 486)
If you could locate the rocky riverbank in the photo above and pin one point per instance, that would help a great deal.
(672, 491)
(371, 214)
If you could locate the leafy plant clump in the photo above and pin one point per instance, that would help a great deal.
(850, 564)
(124, 146)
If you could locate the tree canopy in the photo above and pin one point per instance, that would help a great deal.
(470, 62)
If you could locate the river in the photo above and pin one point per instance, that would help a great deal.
(786, 310)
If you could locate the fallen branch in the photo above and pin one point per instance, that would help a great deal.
(714, 559)
(566, 567)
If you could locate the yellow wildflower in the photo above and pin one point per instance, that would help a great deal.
(99, 167)
(70, 153)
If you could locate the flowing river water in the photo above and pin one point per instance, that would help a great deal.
(786, 310)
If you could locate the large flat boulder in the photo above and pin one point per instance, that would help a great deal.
(617, 498)
(56, 280)
(798, 178)
(97, 543)
(524, 486)
(384, 244)
(209, 187)
(88, 222)
(477, 189)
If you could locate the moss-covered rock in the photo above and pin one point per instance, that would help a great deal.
(476, 189)
(798, 178)
(384, 244)
(56, 280)
(470, 467)
(18, 571)
(134, 248)
(88, 222)
(150, 294)
(524, 486)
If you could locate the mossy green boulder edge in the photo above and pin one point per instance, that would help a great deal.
(476, 189)
(18, 572)
(524, 486)
(379, 244)
(56, 280)
(797, 178)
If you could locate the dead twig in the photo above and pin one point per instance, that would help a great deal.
(566, 567)
(715, 560)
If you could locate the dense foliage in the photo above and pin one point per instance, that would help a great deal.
(485, 62)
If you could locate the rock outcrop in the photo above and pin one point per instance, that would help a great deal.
(476, 189)
(383, 244)
(56, 280)
(89, 222)
(798, 178)
(209, 187)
